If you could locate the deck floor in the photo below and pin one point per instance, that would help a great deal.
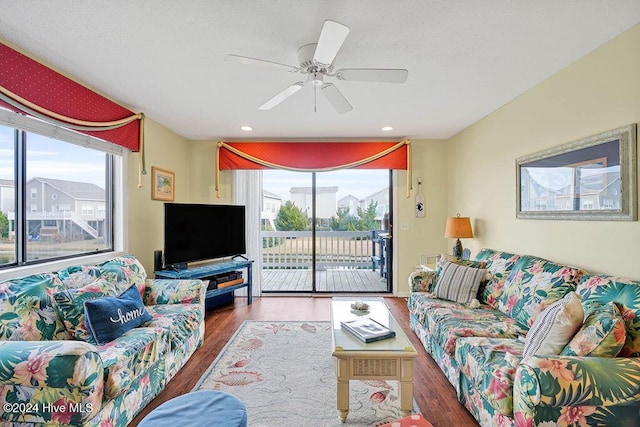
(330, 280)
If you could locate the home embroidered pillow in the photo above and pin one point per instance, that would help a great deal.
(554, 327)
(602, 335)
(459, 283)
(110, 317)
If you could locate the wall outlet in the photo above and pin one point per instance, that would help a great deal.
(404, 226)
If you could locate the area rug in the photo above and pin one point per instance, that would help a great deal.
(285, 375)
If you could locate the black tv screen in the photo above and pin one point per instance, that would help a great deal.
(197, 232)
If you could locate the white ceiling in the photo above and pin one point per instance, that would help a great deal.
(165, 58)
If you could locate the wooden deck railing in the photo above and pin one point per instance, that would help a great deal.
(293, 249)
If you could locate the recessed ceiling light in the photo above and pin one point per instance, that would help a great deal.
(386, 128)
(246, 128)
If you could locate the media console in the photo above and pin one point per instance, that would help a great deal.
(214, 271)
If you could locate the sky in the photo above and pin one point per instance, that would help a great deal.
(360, 183)
(49, 158)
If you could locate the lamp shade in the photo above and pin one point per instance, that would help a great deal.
(458, 228)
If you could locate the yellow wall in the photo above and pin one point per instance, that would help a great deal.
(424, 236)
(203, 160)
(599, 92)
(144, 217)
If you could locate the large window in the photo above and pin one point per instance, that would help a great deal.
(56, 197)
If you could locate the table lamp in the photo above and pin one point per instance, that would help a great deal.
(458, 228)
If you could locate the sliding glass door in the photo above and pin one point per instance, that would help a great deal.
(326, 232)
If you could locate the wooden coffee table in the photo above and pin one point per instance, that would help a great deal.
(390, 359)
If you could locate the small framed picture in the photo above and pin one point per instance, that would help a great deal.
(163, 184)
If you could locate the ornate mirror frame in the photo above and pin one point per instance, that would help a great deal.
(594, 178)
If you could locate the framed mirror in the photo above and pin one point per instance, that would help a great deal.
(590, 179)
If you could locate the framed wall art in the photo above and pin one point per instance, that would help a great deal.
(163, 184)
(593, 178)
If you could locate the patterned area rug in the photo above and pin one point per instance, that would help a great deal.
(285, 375)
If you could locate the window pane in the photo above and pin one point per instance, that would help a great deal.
(7, 196)
(68, 208)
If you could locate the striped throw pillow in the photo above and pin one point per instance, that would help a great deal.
(554, 327)
(459, 283)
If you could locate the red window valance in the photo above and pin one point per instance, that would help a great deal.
(32, 88)
(314, 156)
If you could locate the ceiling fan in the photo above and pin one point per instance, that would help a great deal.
(316, 61)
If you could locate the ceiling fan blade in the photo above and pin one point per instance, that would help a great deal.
(382, 75)
(332, 37)
(281, 96)
(336, 98)
(261, 62)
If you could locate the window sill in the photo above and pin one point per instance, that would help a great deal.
(49, 267)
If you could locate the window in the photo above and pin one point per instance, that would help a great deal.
(60, 170)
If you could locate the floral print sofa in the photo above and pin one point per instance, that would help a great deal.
(595, 380)
(50, 374)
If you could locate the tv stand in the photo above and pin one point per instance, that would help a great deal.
(203, 272)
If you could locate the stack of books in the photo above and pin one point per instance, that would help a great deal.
(367, 329)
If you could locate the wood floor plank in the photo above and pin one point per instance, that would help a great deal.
(432, 391)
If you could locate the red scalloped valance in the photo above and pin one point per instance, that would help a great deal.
(314, 156)
(34, 89)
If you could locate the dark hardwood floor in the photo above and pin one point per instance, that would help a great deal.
(433, 393)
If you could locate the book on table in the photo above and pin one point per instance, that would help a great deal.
(367, 329)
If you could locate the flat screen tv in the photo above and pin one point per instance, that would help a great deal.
(197, 232)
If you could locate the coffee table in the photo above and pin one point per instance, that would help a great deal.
(389, 359)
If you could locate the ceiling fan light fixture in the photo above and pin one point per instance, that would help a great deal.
(317, 79)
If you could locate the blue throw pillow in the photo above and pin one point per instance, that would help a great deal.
(110, 317)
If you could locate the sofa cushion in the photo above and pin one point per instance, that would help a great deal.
(420, 304)
(626, 294)
(533, 285)
(179, 320)
(131, 356)
(124, 271)
(442, 259)
(79, 276)
(555, 327)
(447, 324)
(422, 281)
(70, 304)
(108, 318)
(490, 365)
(602, 334)
(459, 283)
(27, 310)
(499, 266)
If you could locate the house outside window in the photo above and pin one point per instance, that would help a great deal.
(59, 172)
(87, 210)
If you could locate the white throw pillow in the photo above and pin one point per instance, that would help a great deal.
(459, 283)
(554, 327)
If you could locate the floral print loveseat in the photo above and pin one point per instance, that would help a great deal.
(52, 374)
(595, 380)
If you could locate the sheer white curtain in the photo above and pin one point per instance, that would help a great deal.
(247, 191)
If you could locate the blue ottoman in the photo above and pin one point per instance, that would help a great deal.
(198, 409)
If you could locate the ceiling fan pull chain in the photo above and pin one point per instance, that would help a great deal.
(315, 98)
